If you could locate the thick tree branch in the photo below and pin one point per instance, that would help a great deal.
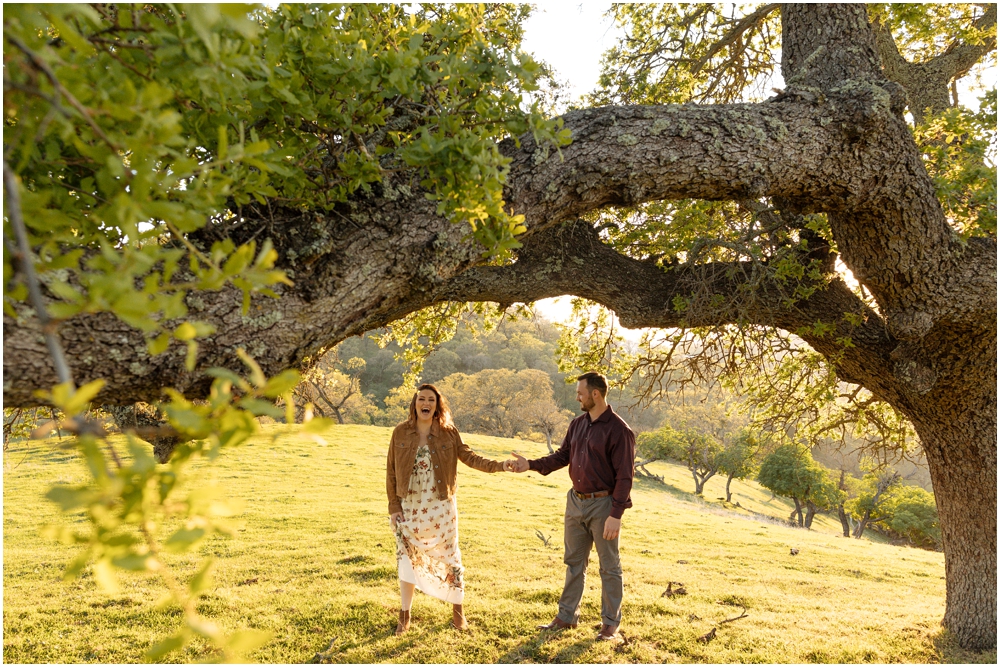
(571, 259)
(927, 83)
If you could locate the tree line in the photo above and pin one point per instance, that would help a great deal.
(880, 500)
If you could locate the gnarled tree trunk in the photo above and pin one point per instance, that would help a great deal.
(960, 442)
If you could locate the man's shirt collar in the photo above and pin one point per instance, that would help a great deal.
(604, 418)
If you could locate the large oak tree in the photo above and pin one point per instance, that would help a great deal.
(834, 141)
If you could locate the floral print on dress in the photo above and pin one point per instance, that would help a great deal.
(427, 539)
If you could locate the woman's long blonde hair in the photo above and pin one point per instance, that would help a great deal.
(441, 411)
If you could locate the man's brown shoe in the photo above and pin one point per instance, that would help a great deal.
(557, 624)
(458, 618)
(404, 622)
(608, 633)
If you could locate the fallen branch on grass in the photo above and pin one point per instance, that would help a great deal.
(640, 467)
(736, 618)
(327, 655)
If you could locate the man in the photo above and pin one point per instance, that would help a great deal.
(600, 450)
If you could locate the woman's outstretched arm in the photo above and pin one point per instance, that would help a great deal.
(473, 460)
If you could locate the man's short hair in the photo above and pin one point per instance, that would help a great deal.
(595, 381)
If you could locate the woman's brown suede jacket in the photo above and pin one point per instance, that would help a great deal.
(446, 449)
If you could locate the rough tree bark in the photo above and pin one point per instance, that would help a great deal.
(833, 142)
(927, 83)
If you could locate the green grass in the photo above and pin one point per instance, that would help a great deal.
(314, 563)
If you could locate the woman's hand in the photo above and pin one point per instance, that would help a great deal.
(518, 464)
(395, 518)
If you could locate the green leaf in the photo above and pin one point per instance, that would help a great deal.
(72, 37)
(165, 647)
(280, 383)
(76, 566)
(191, 358)
(70, 497)
(260, 407)
(183, 538)
(245, 641)
(205, 628)
(256, 374)
(185, 331)
(202, 579)
(226, 374)
(132, 562)
(159, 344)
(105, 577)
(74, 401)
(142, 461)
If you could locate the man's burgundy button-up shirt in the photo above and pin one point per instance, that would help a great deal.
(600, 455)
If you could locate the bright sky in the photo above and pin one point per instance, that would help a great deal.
(569, 36)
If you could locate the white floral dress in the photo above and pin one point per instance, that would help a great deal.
(427, 538)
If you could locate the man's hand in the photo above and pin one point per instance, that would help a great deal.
(394, 519)
(612, 527)
(518, 464)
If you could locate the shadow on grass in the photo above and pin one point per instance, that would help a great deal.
(650, 484)
(949, 652)
(530, 649)
(374, 574)
(366, 634)
(547, 596)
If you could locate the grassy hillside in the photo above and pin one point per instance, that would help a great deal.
(314, 563)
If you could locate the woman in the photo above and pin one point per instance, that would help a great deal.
(420, 483)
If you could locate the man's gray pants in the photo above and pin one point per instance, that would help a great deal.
(583, 527)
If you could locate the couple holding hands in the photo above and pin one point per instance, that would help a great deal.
(421, 467)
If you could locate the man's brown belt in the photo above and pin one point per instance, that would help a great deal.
(587, 496)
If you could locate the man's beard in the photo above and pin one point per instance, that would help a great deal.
(588, 405)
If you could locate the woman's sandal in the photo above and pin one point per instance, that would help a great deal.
(458, 618)
(404, 622)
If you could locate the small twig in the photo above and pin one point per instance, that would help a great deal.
(43, 66)
(21, 461)
(736, 618)
(48, 327)
(176, 233)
